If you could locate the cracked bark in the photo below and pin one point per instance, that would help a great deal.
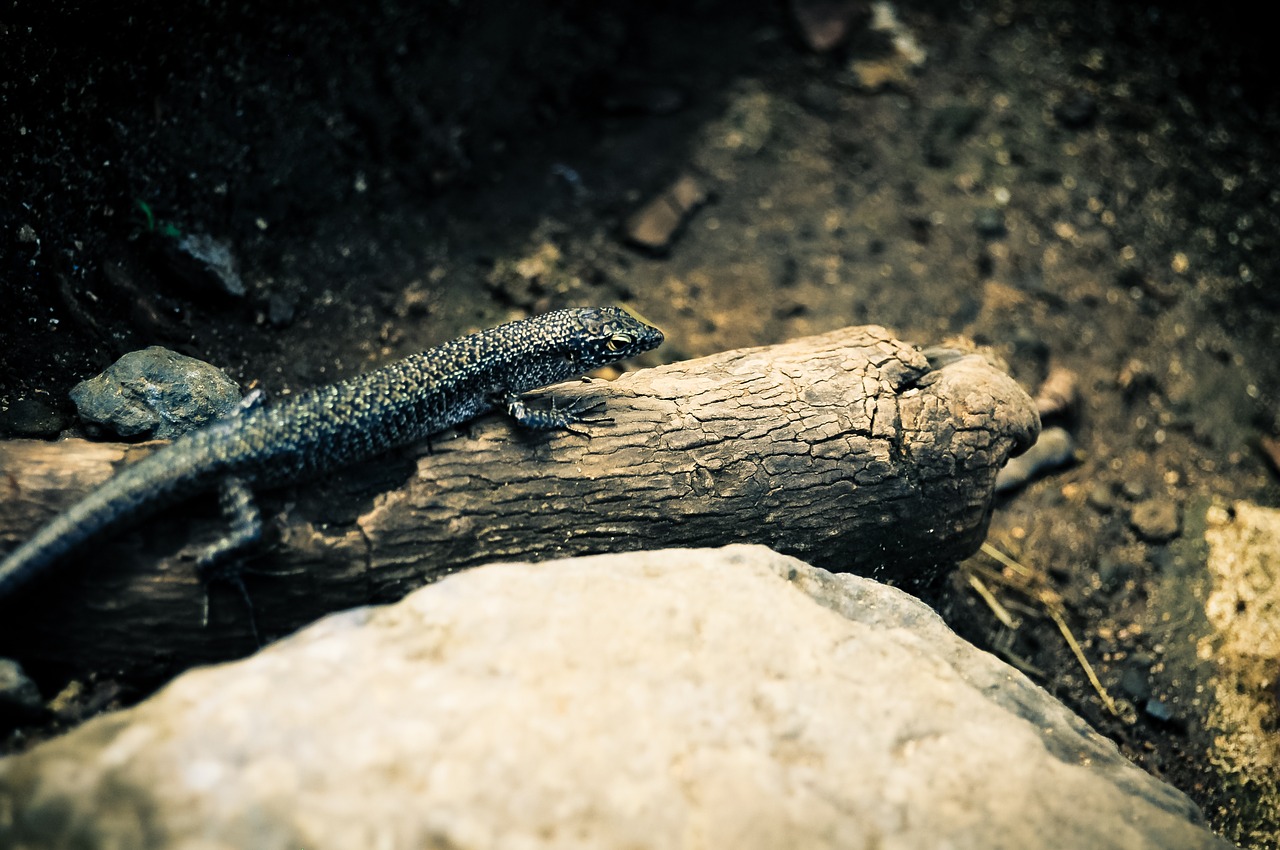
(845, 449)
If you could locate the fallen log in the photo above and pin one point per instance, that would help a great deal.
(846, 449)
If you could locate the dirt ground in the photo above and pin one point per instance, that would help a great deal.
(1092, 186)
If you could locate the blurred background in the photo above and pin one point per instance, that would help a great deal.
(296, 192)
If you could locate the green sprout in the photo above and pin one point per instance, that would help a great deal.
(146, 210)
(165, 228)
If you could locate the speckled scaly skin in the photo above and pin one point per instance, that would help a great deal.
(330, 427)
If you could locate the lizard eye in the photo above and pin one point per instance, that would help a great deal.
(619, 341)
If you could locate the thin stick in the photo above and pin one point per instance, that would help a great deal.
(1084, 662)
(1051, 603)
(1000, 612)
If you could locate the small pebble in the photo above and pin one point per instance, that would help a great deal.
(1133, 489)
(1101, 499)
(19, 697)
(654, 226)
(1158, 710)
(1057, 394)
(205, 263)
(156, 393)
(823, 24)
(1155, 520)
(1054, 449)
(414, 301)
(888, 53)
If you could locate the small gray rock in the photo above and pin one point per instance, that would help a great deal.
(1053, 449)
(206, 263)
(1155, 520)
(19, 697)
(157, 393)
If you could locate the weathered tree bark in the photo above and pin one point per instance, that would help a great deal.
(846, 449)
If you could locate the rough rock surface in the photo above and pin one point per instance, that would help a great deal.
(1243, 611)
(156, 392)
(678, 698)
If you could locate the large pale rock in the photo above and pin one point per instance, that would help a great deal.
(681, 698)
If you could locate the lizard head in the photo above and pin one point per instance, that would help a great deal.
(609, 334)
(597, 336)
(560, 345)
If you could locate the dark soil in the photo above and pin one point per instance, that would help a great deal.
(1089, 185)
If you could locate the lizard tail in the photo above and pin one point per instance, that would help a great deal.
(134, 493)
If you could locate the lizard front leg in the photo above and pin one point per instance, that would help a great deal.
(548, 420)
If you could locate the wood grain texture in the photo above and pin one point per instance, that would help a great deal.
(845, 449)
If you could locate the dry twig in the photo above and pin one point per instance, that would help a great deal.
(1035, 586)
